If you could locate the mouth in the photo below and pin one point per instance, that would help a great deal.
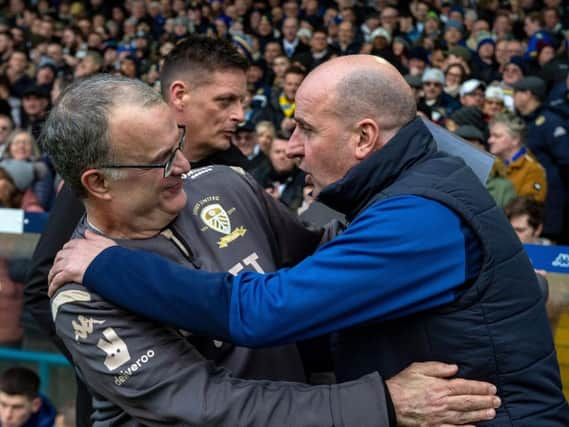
(174, 186)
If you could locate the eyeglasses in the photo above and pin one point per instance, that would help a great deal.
(167, 166)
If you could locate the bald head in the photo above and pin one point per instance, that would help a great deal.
(363, 86)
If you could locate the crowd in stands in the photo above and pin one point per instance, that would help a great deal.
(495, 72)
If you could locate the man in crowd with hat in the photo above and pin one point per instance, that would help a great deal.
(493, 101)
(435, 103)
(514, 71)
(472, 93)
(548, 140)
(35, 103)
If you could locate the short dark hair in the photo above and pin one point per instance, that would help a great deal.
(197, 57)
(20, 381)
(526, 206)
(295, 69)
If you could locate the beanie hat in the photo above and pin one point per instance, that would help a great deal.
(469, 116)
(21, 172)
(484, 38)
(433, 75)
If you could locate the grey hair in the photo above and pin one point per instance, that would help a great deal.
(76, 134)
(515, 125)
(370, 93)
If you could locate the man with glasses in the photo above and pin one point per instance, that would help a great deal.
(435, 103)
(166, 166)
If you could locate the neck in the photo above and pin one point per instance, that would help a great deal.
(197, 152)
(507, 156)
(114, 226)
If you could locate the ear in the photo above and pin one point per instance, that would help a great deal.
(96, 184)
(36, 405)
(179, 93)
(368, 138)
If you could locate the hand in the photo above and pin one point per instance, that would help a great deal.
(74, 258)
(423, 396)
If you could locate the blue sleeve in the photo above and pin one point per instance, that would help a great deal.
(402, 255)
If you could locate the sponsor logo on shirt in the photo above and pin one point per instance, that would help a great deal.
(83, 327)
(124, 374)
(115, 349)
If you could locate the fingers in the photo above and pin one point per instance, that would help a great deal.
(57, 281)
(460, 387)
(435, 369)
(472, 403)
(460, 418)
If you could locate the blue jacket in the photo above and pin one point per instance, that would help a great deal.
(405, 256)
(45, 417)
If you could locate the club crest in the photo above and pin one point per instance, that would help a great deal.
(215, 217)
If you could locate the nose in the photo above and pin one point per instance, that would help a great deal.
(238, 112)
(295, 147)
(181, 164)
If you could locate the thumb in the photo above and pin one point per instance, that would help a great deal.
(435, 369)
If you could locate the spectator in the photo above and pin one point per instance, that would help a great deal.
(16, 71)
(484, 65)
(436, 104)
(89, 65)
(20, 145)
(280, 110)
(17, 178)
(6, 126)
(319, 50)
(499, 187)
(548, 140)
(472, 93)
(493, 101)
(513, 72)
(507, 134)
(279, 66)
(526, 216)
(533, 27)
(418, 61)
(265, 135)
(454, 33)
(282, 179)
(346, 43)
(290, 42)
(454, 76)
(246, 140)
(467, 116)
(35, 103)
(21, 405)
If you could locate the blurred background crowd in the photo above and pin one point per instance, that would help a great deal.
(495, 72)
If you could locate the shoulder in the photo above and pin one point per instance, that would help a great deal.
(411, 213)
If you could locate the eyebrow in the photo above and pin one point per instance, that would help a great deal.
(302, 122)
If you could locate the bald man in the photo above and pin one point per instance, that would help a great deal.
(424, 270)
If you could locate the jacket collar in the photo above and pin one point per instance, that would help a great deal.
(409, 146)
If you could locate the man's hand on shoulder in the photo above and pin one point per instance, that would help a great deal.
(423, 395)
(74, 258)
